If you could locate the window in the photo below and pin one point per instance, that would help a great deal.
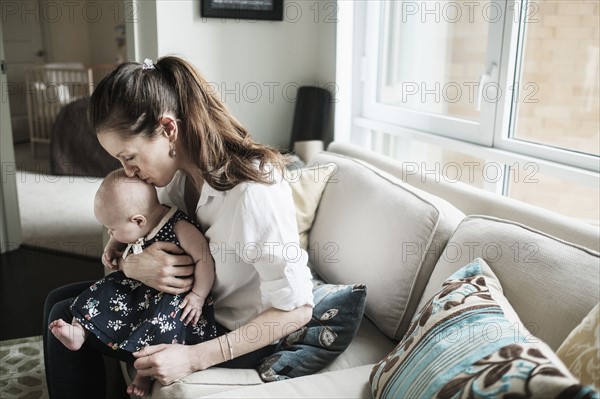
(558, 60)
(429, 58)
(517, 79)
(441, 81)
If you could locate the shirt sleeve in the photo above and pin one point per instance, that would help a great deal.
(265, 235)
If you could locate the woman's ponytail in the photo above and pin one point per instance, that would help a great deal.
(215, 140)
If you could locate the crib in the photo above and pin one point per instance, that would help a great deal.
(50, 87)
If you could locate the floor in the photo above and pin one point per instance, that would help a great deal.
(27, 275)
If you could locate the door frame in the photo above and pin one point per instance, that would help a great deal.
(10, 220)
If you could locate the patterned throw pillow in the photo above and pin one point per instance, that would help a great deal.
(581, 350)
(336, 317)
(467, 342)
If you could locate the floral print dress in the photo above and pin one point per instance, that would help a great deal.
(126, 314)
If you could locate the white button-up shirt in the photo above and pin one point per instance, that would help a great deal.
(253, 238)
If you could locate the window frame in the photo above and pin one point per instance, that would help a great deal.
(512, 45)
(480, 132)
(357, 113)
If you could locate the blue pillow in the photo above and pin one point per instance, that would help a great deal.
(468, 342)
(336, 317)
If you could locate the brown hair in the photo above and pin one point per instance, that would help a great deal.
(132, 99)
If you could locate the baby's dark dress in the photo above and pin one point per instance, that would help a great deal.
(126, 314)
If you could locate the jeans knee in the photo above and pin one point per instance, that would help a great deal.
(68, 291)
(61, 310)
(52, 298)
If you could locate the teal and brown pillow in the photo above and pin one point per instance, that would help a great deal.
(336, 317)
(467, 342)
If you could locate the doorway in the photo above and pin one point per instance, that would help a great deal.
(42, 32)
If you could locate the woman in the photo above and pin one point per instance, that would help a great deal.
(166, 125)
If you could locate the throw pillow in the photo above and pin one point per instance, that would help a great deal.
(581, 349)
(468, 342)
(307, 187)
(336, 317)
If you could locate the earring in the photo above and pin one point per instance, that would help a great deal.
(173, 152)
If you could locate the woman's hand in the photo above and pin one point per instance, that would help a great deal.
(168, 362)
(162, 266)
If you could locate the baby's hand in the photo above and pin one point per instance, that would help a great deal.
(110, 258)
(192, 304)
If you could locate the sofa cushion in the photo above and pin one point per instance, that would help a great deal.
(368, 346)
(307, 187)
(336, 317)
(207, 382)
(542, 276)
(348, 383)
(467, 342)
(369, 225)
(202, 383)
(581, 350)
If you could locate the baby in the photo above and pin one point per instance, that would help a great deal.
(124, 313)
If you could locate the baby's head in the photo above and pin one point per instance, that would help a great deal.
(123, 204)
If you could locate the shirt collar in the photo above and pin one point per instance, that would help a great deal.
(162, 222)
(207, 192)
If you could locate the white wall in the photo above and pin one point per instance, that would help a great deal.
(103, 17)
(142, 33)
(256, 65)
(82, 31)
(66, 29)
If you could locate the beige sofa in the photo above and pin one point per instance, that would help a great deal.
(403, 239)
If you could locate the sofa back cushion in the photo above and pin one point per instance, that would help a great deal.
(372, 229)
(552, 284)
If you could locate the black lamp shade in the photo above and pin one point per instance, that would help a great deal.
(312, 114)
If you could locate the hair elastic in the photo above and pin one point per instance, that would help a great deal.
(148, 64)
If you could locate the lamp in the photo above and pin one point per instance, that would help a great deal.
(311, 121)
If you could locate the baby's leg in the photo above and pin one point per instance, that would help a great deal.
(71, 335)
(140, 386)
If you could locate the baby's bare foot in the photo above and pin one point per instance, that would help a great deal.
(71, 336)
(140, 386)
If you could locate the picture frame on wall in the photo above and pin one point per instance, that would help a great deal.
(271, 10)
